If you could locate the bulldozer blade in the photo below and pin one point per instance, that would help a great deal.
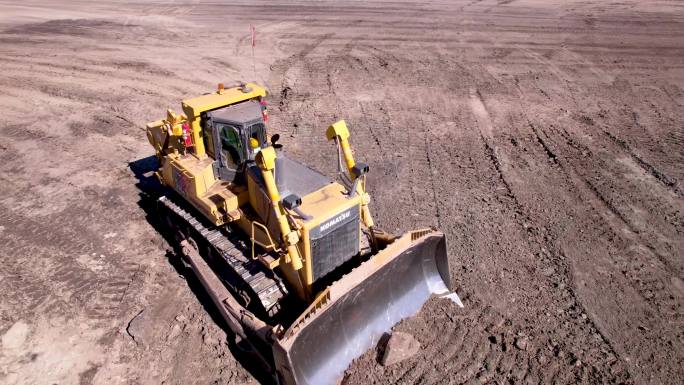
(358, 309)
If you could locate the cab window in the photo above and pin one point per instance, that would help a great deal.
(257, 132)
(209, 140)
(231, 146)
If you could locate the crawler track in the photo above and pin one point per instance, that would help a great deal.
(248, 278)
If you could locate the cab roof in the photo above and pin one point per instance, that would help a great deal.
(195, 106)
(244, 112)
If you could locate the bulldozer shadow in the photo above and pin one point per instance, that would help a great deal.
(150, 189)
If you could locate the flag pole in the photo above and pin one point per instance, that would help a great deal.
(253, 33)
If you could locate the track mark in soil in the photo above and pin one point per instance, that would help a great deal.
(554, 260)
(97, 283)
(668, 182)
(431, 173)
(369, 127)
(280, 69)
(486, 128)
(604, 204)
(481, 113)
(549, 153)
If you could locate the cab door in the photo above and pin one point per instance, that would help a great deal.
(228, 148)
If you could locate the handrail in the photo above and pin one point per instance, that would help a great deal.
(268, 234)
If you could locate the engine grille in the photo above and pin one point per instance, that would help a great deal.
(334, 242)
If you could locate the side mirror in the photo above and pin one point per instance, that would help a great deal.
(274, 141)
(359, 169)
(292, 201)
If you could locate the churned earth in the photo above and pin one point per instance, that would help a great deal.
(544, 138)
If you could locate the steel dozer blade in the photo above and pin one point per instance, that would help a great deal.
(355, 311)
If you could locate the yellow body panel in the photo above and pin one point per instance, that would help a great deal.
(321, 205)
(162, 132)
(326, 202)
(194, 179)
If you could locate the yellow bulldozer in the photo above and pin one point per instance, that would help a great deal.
(291, 258)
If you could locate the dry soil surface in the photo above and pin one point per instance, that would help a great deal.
(545, 138)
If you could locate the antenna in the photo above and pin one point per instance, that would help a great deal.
(253, 33)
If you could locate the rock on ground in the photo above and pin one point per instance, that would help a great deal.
(400, 346)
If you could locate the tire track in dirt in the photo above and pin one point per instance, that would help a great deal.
(618, 220)
(668, 182)
(591, 194)
(636, 225)
(553, 264)
(420, 173)
(639, 231)
(487, 134)
(52, 285)
(431, 173)
(646, 282)
(648, 132)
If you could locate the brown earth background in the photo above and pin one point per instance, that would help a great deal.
(545, 138)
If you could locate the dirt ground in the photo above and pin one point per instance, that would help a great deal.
(545, 138)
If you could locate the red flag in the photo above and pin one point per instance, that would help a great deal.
(253, 31)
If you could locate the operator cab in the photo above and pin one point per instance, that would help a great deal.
(233, 135)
